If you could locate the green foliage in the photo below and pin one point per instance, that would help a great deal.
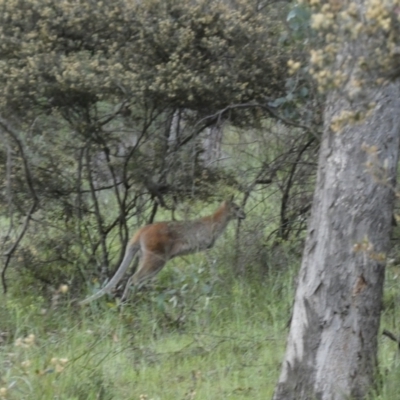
(298, 19)
(201, 56)
(229, 346)
(107, 103)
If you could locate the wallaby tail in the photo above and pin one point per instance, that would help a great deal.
(130, 253)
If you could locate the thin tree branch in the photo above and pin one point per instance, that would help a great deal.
(29, 180)
(98, 215)
(392, 336)
(218, 115)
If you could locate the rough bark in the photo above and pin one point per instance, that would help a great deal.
(332, 344)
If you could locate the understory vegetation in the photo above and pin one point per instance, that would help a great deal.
(114, 115)
(197, 332)
(226, 343)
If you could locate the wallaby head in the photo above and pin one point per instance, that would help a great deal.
(234, 211)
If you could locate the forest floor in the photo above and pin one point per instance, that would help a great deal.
(219, 341)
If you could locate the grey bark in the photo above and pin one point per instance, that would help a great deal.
(212, 145)
(332, 344)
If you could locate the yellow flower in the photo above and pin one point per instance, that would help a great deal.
(30, 339)
(63, 289)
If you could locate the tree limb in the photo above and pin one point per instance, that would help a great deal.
(392, 336)
(29, 180)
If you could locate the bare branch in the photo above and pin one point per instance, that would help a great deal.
(218, 115)
(392, 336)
(6, 127)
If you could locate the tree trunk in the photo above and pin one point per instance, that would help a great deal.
(331, 351)
(212, 146)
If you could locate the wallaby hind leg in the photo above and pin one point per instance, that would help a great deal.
(149, 265)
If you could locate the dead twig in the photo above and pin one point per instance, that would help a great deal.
(391, 336)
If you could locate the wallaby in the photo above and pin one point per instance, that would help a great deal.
(161, 241)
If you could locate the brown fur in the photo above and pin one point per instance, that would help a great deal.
(161, 241)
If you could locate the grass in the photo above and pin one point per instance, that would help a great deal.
(184, 343)
(176, 341)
